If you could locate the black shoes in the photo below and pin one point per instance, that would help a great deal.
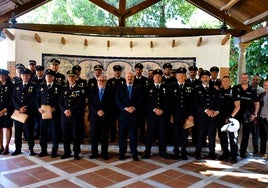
(233, 160)
(184, 157)
(54, 155)
(65, 156)
(76, 157)
(121, 157)
(16, 152)
(224, 156)
(32, 153)
(164, 155)
(42, 154)
(243, 155)
(5, 152)
(211, 156)
(146, 156)
(93, 156)
(135, 158)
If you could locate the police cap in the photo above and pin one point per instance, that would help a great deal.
(96, 67)
(214, 69)
(39, 68)
(4, 72)
(50, 72)
(192, 68)
(77, 68)
(181, 70)
(167, 65)
(54, 62)
(71, 73)
(138, 65)
(204, 72)
(117, 68)
(19, 66)
(158, 71)
(25, 71)
(32, 62)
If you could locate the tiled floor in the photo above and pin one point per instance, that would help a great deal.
(26, 171)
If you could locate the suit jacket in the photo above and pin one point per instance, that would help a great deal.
(24, 96)
(60, 79)
(95, 104)
(5, 96)
(157, 100)
(122, 100)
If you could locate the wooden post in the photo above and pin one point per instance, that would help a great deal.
(225, 39)
(8, 34)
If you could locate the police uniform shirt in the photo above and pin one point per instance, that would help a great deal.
(141, 81)
(114, 82)
(48, 94)
(24, 95)
(92, 83)
(168, 80)
(247, 98)
(60, 79)
(227, 99)
(216, 82)
(194, 83)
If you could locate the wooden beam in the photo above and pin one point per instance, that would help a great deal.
(8, 34)
(254, 35)
(219, 14)
(63, 40)
(225, 39)
(139, 7)
(229, 5)
(107, 7)
(85, 42)
(117, 31)
(257, 19)
(199, 42)
(122, 9)
(20, 10)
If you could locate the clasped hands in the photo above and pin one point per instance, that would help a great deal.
(211, 113)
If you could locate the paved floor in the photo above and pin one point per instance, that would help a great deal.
(27, 171)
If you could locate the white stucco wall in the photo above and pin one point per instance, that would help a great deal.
(210, 53)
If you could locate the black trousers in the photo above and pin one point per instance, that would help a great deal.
(48, 130)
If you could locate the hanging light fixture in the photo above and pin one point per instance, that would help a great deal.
(12, 20)
(223, 28)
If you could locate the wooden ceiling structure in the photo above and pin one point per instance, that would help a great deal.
(240, 15)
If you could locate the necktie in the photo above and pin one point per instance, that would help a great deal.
(101, 93)
(157, 86)
(49, 86)
(181, 86)
(129, 88)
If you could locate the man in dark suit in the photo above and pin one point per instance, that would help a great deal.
(23, 98)
(142, 82)
(100, 100)
(48, 95)
(114, 84)
(207, 106)
(129, 100)
(157, 102)
(71, 99)
(182, 108)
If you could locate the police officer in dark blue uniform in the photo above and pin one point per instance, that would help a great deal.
(100, 105)
(157, 101)
(167, 78)
(129, 101)
(214, 80)
(182, 108)
(71, 99)
(83, 84)
(229, 107)
(39, 76)
(55, 65)
(47, 99)
(18, 67)
(142, 82)
(23, 98)
(114, 84)
(207, 106)
(6, 109)
(32, 67)
(249, 108)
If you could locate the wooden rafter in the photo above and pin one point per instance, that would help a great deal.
(254, 35)
(229, 5)
(257, 19)
(219, 14)
(118, 31)
(107, 7)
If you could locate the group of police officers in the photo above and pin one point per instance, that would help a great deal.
(135, 107)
